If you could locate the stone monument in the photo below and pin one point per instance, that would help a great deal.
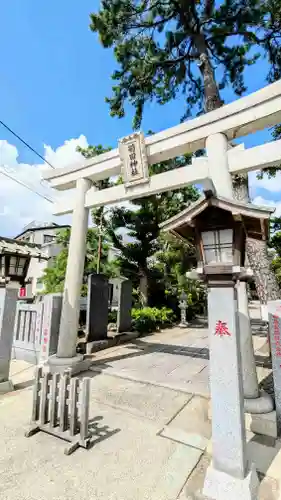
(97, 307)
(124, 316)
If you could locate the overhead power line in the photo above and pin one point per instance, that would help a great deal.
(21, 183)
(26, 144)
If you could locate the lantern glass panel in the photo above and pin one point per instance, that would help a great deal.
(218, 246)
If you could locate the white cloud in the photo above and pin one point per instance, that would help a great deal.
(259, 200)
(273, 184)
(67, 153)
(19, 206)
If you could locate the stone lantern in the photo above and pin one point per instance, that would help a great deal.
(219, 227)
(183, 309)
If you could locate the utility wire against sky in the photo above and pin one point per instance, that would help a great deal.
(26, 144)
(21, 183)
(27, 186)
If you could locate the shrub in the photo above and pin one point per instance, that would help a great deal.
(112, 316)
(149, 319)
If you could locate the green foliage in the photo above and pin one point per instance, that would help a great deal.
(54, 275)
(276, 266)
(142, 225)
(150, 319)
(112, 316)
(91, 152)
(53, 278)
(275, 243)
(196, 293)
(173, 259)
(275, 240)
(275, 224)
(167, 48)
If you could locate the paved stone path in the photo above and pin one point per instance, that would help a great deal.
(175, 358)
(149, 424)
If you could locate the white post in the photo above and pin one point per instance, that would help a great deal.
(264, 312)
(217, 147)
(66, 353)
(254, 402)
(230, 476)
(250, 379)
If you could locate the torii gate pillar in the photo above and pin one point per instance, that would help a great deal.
(66, 354)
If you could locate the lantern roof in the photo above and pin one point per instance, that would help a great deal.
(21, 248)
(219, 210)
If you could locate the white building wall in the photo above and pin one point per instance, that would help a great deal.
(44, 237)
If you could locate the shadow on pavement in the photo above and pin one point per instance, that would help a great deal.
(99, 432)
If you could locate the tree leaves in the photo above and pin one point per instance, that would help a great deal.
(155, 43)
(54, 276)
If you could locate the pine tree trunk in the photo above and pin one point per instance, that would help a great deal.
(143, 288)
(265, 280)
(256, 250)
(212, 98)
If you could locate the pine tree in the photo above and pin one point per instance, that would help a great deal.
(197, 48)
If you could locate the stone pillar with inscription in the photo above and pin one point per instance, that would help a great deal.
(51, 304)
(230, 476)
(8, 305)
(274, 317)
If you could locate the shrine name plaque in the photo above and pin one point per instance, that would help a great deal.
(133, 155)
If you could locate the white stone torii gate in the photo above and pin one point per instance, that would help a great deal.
(212, 131)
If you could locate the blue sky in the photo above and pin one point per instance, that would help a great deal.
(53, 79)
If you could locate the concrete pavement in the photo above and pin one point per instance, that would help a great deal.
(175, 358)
(149, 424)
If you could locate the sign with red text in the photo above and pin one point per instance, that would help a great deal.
(50, 325)
(22, 292)
(274, 317)
(46, 328)
(221, 329)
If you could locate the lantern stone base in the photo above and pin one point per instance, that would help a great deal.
(183, 325)
(264, 424)
(6, 386)
(219, 485)
(261, 405)
(76, 364)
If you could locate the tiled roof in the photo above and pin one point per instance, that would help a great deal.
(9, 245)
